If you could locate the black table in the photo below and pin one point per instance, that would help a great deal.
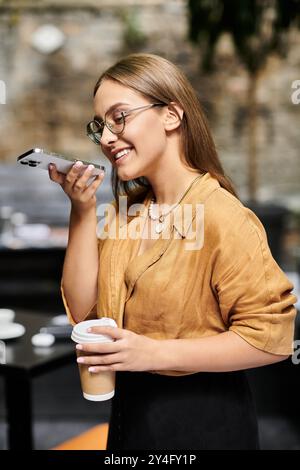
(23, 363)
(30, 278)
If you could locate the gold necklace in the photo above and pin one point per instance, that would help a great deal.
(159, 227)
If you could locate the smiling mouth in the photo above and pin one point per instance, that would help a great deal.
(122, 157)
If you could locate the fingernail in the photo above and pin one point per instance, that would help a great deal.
(79, 346)
(78, 164)
(91, 167)
(80, 359)
(89, 330)
(51, 166)
(102, 173)
(92, 369)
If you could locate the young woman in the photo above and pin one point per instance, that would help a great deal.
(197, 296)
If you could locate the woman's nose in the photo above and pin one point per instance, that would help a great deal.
(108, 137)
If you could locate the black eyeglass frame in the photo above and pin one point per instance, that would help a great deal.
(92, 134)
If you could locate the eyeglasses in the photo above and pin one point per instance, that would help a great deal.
(114, 121)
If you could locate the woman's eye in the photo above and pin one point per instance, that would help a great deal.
(118, 116)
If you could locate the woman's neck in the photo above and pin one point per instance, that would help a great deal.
(168, 190)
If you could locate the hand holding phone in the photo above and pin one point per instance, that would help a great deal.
(74, 176)
(75, 185)
(40, 158)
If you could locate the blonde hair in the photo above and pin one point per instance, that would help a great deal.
(159, 80)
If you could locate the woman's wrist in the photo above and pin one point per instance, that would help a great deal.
(83, 212)
(163, 355)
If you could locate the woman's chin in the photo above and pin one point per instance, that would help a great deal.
(128, 175)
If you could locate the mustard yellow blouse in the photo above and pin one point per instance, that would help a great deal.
(214, 272)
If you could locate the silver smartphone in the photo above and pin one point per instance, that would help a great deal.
(40, 158)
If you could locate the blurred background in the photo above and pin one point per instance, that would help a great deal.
(243, 59)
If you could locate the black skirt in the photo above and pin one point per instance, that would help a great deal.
(202, 411)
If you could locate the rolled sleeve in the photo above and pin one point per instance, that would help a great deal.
(255, 296)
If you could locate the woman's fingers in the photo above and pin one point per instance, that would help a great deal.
(99, 348)
(78, 180)
(92, 188)
(72, 176)
(114, 332)
(75, 182)
(55, 175)
(99, 360)
(81, 182)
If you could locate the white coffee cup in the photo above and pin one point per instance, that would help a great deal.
(99, 386)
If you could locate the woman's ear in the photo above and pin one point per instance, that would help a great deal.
(173, 116)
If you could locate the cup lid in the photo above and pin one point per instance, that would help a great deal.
(80, 334)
